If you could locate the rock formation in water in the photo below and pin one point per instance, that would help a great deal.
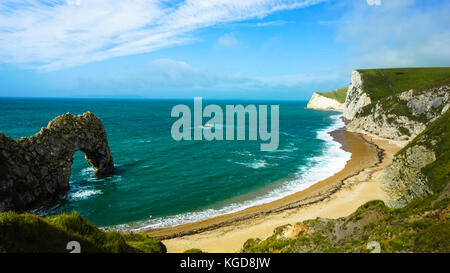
(321, 102)
(35, 170)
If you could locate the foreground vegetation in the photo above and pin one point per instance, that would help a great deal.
(338, 94)
(28, 233)
(422, 226)
(381, 83)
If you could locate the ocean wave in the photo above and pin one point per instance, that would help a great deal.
(144, 141)
(332, 160)
(87, 171)
(243, 153)
(290, 147)
(257, 164)
(84, 194)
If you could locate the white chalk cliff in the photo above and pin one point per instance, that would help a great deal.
(356, 97)
(320, 102)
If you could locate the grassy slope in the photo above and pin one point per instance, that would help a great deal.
(29, 233)
(422, 226)
(338, 94)
(381, 83)
(436, 137)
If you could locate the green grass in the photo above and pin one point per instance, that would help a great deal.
(338, 94)
(381, 83)
(194, 250)
(437, 237)
(419, 227)
(435, 137)
(28, 233)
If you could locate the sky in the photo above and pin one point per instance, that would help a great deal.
(217, 49)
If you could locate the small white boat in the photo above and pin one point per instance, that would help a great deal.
(207, 125)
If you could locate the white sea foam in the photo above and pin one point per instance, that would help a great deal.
(318, 168)
(144, 141)
(84, 194)
(255, 164)
(87, 171)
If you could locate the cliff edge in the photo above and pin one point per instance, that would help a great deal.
(333, 100)
(397, 103)
(356, 96)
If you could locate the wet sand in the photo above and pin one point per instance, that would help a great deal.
(336, 196)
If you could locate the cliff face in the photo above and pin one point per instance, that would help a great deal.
(422, 167)
(36, 170)
(320, 102)
(403, 179)
(416, 219)
(356, 96)
(403, 116)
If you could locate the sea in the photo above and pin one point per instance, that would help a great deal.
(159, 182)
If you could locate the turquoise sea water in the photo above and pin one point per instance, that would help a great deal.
(179, 182)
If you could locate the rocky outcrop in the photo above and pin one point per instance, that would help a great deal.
(320, 102)
(403, 179)
(356, 97)
(36, 170)
(422, 167)
(403, 116)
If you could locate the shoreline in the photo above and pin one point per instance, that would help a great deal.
(338, 135)
(314, 169)
(234, 228)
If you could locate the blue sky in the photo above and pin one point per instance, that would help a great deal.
(246, 49)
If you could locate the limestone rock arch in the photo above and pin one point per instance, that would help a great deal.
(35, 170)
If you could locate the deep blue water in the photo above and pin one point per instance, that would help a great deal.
(178, 182)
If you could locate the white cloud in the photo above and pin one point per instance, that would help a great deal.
(374, 2)
(73, 2)
(54, 34)
(227, 40)
(272, 23)
(397, 34)
(168, 74)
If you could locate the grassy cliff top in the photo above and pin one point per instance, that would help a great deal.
(338, 94)
(381, 83)
(28, 233)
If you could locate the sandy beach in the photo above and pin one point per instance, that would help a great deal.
(334, 197)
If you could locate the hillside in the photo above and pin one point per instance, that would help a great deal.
(416, 220)
(422, 226)
(338, 94)
(381, 83)
(396, 104)
(403, 116)
(28, 233)
(371, 85)
(422, 167)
